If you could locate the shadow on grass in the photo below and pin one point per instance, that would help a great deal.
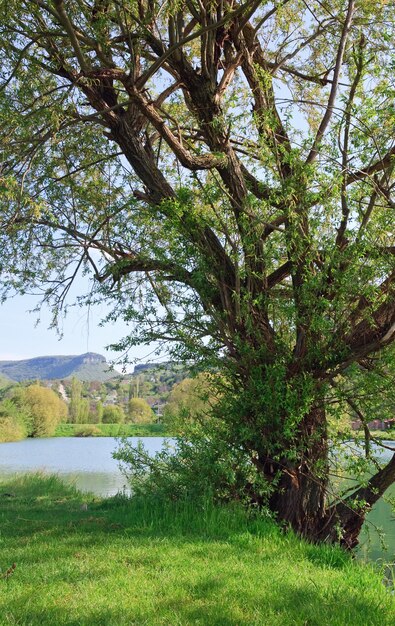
(126, 563)
(289, 607)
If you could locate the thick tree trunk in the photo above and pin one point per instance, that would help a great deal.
(300, 497)
(300, 500)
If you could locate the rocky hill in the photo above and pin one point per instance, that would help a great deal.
(85, 367)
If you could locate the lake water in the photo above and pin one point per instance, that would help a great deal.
(84, 461)
(377, 540)
(87, 463)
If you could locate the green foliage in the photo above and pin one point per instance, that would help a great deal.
(207, 414)
(99, 412)
(75, 400)
(83, 415)
(88, 430)
(11, 428)
(155, 380)
(139, 411)
(114, 430)
(113, 414)
(152, 562)
(189, 401)
(45, 408)
(202, 461)
(15, 419)
(245, 213)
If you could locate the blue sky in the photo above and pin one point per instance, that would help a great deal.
(21, 338)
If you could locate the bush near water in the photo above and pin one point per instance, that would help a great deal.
(32, 411)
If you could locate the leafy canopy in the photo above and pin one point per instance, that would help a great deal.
(224, 172)
(139, 411)
(47, 410)
(218, 172)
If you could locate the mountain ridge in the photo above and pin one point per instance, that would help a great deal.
(86, 367)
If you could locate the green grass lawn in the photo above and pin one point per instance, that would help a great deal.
(389, 435)
(111, 430)
(82, 561)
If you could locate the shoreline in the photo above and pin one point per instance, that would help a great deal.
(103, 430)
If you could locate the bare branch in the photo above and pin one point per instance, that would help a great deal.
(64, 20)
(378, 166)
(187, 159)
(336, 76)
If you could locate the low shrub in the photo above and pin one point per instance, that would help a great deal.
(90, 430)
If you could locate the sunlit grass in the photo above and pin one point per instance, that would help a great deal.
(111, 430)
(116, 562)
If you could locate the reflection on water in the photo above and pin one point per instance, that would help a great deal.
(377, 539)
(86, 462)
(99, 483)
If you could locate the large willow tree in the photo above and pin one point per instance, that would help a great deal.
(223, 171)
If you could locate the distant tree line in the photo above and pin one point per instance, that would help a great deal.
(35, 410)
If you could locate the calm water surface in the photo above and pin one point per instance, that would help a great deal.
(381, 519)
(87, 462)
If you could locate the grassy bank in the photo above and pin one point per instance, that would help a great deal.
(87, 562)
(111, 430)
(388, 435)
